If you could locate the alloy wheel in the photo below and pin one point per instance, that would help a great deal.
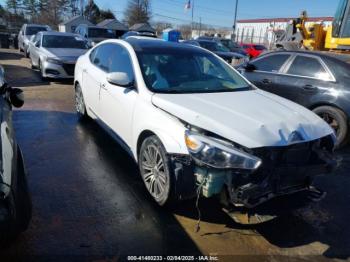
(154, 173)
(79, 101)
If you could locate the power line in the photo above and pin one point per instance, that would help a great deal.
(187, 20)
(176, 12)
(209, 9)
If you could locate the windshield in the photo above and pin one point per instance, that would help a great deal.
(100, 33)
(220, 47)
(228, 43)
(58, 41)
(183, 71)
(33, 30)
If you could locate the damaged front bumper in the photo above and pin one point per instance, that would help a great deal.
(285, 171)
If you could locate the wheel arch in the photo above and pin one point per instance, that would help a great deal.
(319, 104)
(169, 143)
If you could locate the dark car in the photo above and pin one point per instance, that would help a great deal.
(233, 46)
(222, 51)
(136, 33)
(15, 200)
(318, 81)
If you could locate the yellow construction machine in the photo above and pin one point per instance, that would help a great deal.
(318, 36)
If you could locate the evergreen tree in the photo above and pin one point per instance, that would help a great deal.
(92, 12)
(14, 5)
(31, 9)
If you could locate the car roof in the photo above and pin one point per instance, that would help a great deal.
(342, 57)
(57, 33)
(147, 43)
(36, 25)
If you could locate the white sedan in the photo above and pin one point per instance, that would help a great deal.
(195, 125)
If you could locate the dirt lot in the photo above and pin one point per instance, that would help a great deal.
(90, 203)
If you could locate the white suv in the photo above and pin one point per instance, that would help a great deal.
(193, 124)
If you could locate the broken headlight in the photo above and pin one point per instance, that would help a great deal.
(218, 153)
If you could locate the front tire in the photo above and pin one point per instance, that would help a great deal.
(42, 71)
(19, 205)
(26, 54)
(154, 166)
(337, 120)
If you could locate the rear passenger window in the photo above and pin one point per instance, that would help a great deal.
(102, 56)
(309, 67)
(271, 63)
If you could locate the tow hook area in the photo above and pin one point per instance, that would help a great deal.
(280, 206)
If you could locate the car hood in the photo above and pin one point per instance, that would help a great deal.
(66, 54)
(250, 118)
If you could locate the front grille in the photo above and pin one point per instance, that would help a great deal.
(69, 68)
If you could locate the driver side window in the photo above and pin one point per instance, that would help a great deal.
(120, 61)
(36, 40)
(112, 58)
(271, 63)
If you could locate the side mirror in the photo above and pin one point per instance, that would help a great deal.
(120, 79)
(32, 38)
(16, 97)
(37, 44)
(249, 67)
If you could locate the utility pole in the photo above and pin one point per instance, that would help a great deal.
(200, 26)
(235, 20)
(192, 18)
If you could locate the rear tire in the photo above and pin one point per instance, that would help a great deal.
(80, 103)
(337, 119)
(155, 170)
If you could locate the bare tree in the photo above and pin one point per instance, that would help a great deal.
(161, 26)
(186, 31)
(137, 11)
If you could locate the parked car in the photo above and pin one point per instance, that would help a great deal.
(233, 46)
(190, 42)
(26, 32)
(94, 34)
(317, 81)
(55, 53)
(254, 50)
(195, 126)
(135, 33)
(15, 199)
(222, 51)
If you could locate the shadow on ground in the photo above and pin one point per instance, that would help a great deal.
(89, 200)
(326, 222)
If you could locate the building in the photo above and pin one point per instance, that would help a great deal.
(70, 25)
(113, 24)
(261, 31)
(143, 28)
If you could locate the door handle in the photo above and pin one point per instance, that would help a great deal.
(103, 86)
(84, 71)
(309, 87)
(266, 81)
